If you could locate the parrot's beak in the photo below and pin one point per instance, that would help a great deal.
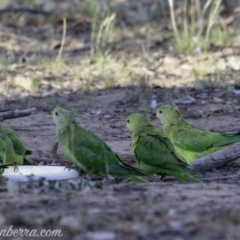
(52, 114)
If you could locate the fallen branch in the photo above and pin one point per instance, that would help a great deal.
(17, 113)
(217, 159)
(231, 176)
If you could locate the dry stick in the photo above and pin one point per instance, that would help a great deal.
(29, 10)
(17, 113)
(173, 18)
(63, 39)
(217, 159)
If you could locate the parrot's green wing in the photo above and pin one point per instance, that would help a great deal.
(93, 155)
(155, 154)
(156, 150)
(193, 139)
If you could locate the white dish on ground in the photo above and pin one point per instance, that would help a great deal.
(27, 173)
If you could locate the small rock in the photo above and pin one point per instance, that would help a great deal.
(101, 235)
(70, 223)
(153, 104)
(218, 100)
(47, 94)
(186, 100)
(107, 116)
(175, 225)
(96, 112)
(235, 90)
(171, 212)
(94, 211)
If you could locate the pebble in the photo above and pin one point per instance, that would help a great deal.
(70, 223)
(100, 235)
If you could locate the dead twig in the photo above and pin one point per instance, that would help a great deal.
(217, 159)
(187, 100)
(17, 113)
(63, 39)
(29, 10)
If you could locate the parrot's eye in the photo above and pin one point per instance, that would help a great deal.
(56, 113)
(160, 111)
(128, 121)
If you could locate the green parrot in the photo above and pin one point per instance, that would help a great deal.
(15, 147)
(191, 142)
(3, 155)
(88, 151)
(154, 152)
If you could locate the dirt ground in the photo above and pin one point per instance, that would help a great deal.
(103, 210)
(136, 71)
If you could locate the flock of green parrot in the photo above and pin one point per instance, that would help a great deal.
(166, 152)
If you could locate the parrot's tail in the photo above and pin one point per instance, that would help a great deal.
(194, 171)
(30, 160)
(188, 178)
(183, 174)
(228, 139)
(132, 170)
(138, 179)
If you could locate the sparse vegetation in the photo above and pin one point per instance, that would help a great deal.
(102, 20)
(199, 26)
(113, 53)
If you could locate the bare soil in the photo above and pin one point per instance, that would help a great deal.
(109, 209)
